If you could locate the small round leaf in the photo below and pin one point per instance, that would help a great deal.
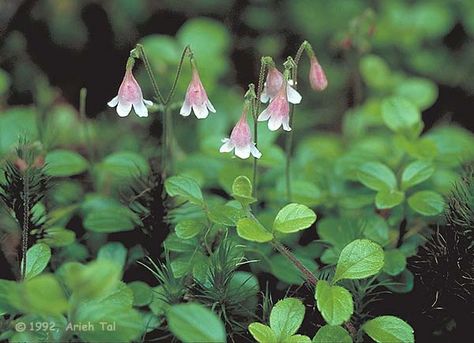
(334, 302)
(293, 218)
(358, 260)
(391, 329)
(427, 203)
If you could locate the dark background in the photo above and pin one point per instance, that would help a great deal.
(97, 63)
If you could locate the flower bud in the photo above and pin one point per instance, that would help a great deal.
(317, 78)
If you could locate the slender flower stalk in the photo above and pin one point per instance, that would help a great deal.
(292, 66)
(264, 62)
(139, 53)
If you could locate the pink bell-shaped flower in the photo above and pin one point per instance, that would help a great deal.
(278, 112)
(273, 84)
(130, 94)
(196, 99)
(241, 140)
(317, 77)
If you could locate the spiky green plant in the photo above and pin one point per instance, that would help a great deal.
(24, 187)
(229, 297)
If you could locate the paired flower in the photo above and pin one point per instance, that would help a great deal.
(130, 94)
(274, 83)
(241, 140)
(280, 94)
(278, 112)
(196, 99)
(317, 77)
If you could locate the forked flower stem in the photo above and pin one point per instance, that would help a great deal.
(142, 55)
(289, 141)
(256, 110)
(167, 129)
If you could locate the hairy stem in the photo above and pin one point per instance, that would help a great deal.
(289, 140)
(308, 275)
(186, 52)
(256, 110)
(151, 76)
(167, 124)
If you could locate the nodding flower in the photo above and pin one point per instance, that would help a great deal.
(241, 140)
(130, 94)
(196, 99)
(278, 112)
(317, 77)
(273, 84)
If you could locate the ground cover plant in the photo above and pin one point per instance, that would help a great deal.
(312, 203)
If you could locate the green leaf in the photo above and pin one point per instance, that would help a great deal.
(186, 321)
(10, 296)
(185, 187)
(415, 173)
(395, 262)
(427, 203)
(58, 237)
(57, 324)
(377, 176)
(187, 229)
(262, 333)
(225, 214)
(17, 121)
(389, 329)
(158, 304)
(298, 339)
(125, 164)
(174, 243)
(400, 115)
(334, 303)
(142, 293)
(375, 71)
(421, 92)
(338, 231)
(401, 283)
(242, 190)
(286, 317)
(376, 229)
(206, 36)
(44, 296)
(286, 271)
(251, 230)
(92, 280)
(163, 51)
(112, 316)
(293, 218)
(388, 199)
(114, 252)
(114, 218)
(332, 334)
(64, 163)
(37, 258)
(358, 260)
